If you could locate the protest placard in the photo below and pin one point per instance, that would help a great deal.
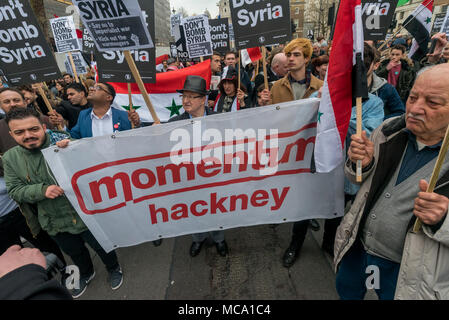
(443, 24)
(115, 25)
(180, 42)
(79, 62)
(175, 20)
(25, 56)
(129, 191)
(64, 33)
(88, 42)
(112, 66)
(219, 34)
(377, 17)
(197, 35)
(260, 23)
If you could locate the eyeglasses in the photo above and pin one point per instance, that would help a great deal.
(190, 97)
(96, 88)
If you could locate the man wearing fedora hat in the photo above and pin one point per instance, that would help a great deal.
(194, 103)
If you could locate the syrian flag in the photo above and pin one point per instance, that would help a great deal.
(419, 26)
(250, 55)
(163, 95)
(337, 95)
(159, 61)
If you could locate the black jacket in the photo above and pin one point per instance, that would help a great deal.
(31, 282)
(70, 112)
(405, 81)
(186, 116)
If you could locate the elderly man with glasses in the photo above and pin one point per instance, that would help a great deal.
(194, 98)
(102, 119)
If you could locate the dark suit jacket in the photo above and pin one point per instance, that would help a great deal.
(186, 116)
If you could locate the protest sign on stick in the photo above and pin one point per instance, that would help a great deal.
(64, 32)
(197, 35)
(264, 63)
(47, 102)
(25, 56)
(141, 85)
(219, 34)
(115, 25)
(112, 66)
(377, 18)
(72, 63)
(260, 23)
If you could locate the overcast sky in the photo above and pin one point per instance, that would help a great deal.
(196, 6)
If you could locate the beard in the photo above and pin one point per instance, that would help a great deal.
(32, 144)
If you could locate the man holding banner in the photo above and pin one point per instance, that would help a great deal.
(193, 101)
(29, 181)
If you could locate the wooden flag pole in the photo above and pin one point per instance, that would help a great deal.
(137, 77)
(264, 64)
(72, 63)
(52, 96)
(435, 173)
(238, 72)
(130, 97)
(47, 103)
(359, 134)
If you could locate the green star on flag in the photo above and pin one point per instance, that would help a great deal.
(174, 108)
(134, 107)
(319, 116)
(428, 19)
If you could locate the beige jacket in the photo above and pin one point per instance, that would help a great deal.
(424, 271)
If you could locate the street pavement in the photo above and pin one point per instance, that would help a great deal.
(253, 269)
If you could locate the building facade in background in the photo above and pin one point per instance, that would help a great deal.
(162, 17)
(224, 9)
(297, 16)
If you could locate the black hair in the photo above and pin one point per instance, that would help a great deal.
(22, 113)
(14, 90)
(368, 56)
(110, 89)
(399, 47)
(77, 87)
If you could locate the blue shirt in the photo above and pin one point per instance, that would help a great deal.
(415, 159)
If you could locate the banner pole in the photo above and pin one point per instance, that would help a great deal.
(72, 63)
(47, 103)
(130, 97)
(264, 64)
(138, 78)
(238, 67)
(359, 134)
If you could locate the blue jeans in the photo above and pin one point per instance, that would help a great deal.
(352, 274)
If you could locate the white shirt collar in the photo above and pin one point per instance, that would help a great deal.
(106, 116)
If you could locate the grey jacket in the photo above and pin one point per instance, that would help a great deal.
(424, 271)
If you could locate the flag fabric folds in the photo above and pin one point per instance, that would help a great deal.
(419, 25)
(250, 55)
(163, 95)
(337, 93)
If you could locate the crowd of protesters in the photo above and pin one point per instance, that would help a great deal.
(406, 112)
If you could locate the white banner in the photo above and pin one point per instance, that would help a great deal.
(236, 169)
(78, 60)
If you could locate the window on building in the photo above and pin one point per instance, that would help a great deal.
(297, 10)
(401, 15)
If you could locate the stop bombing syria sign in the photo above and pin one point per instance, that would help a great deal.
(197, 35)
(260, 23)
(25, 56)
(65, 35)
